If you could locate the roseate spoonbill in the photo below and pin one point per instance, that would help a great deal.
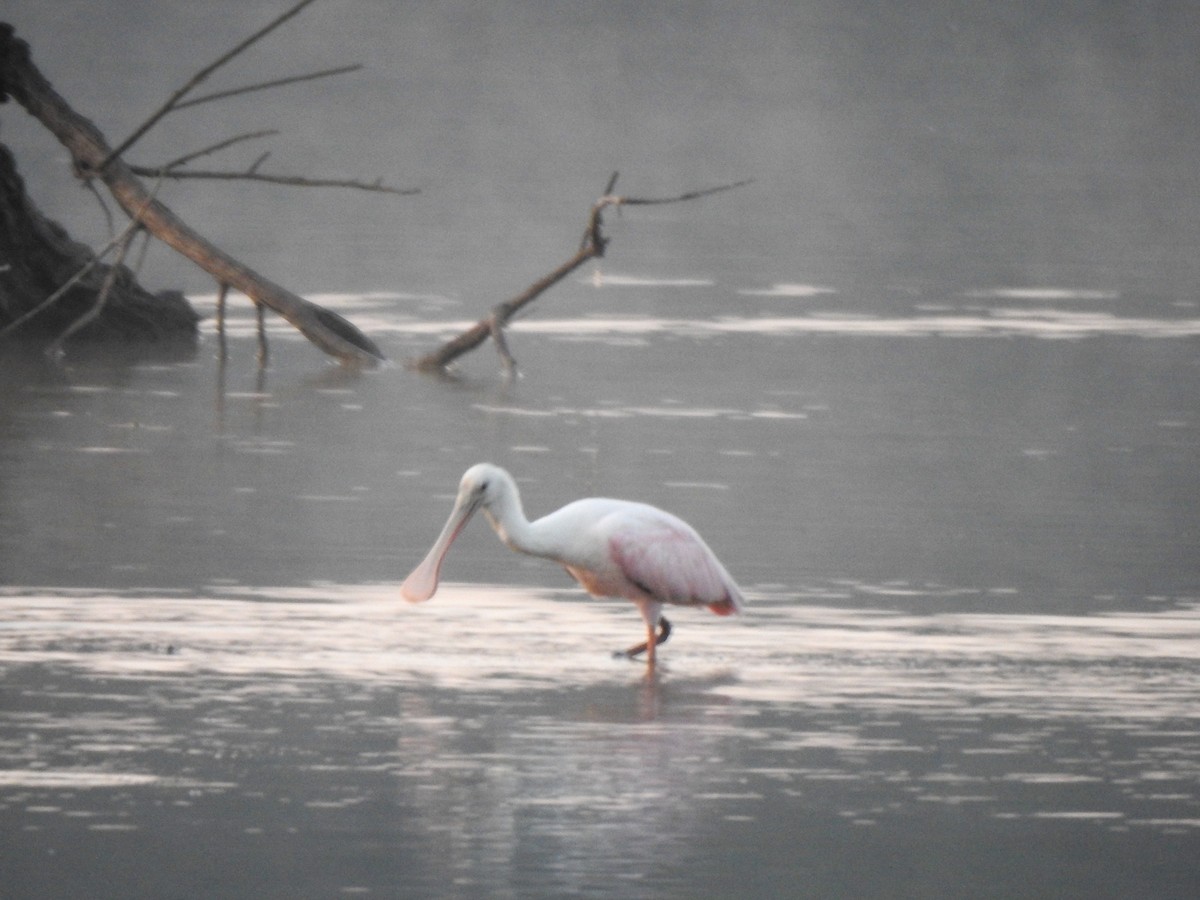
(613, 548)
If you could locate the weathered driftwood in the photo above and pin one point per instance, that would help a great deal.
(94, 159)
(592, 246)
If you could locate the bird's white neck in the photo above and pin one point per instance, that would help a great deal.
(507, 517)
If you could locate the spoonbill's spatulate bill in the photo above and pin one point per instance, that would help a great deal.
(614, 548)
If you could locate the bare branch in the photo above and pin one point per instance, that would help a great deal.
(172, 170)
(108, 216)
(292, 180)
(220, 145)
(141, 259)
(58, 294)
(264, 85)
(690, 195)
(592, 246)
(487, 327)
(93, 313)
(196, 79)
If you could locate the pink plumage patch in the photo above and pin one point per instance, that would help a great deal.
(664, 559)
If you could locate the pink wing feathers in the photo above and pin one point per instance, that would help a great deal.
(665, 557)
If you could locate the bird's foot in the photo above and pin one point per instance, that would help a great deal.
(664, 632)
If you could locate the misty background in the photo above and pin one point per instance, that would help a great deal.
(902, 145)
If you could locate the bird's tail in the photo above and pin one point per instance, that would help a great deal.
(728, 605)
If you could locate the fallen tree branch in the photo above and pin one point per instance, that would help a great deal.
(591, 246)
(93, 158)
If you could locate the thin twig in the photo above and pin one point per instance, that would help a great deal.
(264, 85)
(196, 79)
(690, 195)
(291, 180)
(108, 217)
(57, 295)
(220, 145)
(69, 283)
(141, 259)
(93, 313)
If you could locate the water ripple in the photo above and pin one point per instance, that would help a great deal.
(494, 719)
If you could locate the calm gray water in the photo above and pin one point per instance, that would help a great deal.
(930, 388)
(970, 663)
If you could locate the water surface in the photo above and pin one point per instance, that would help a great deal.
(929, 386)
(323, 741)
(969, 662)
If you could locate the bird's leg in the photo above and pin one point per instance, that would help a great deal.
(652, 640)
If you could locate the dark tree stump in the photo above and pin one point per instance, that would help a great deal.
(37, 256)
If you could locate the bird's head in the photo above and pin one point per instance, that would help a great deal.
(483, 486)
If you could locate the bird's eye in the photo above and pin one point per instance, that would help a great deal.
(483, 486)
